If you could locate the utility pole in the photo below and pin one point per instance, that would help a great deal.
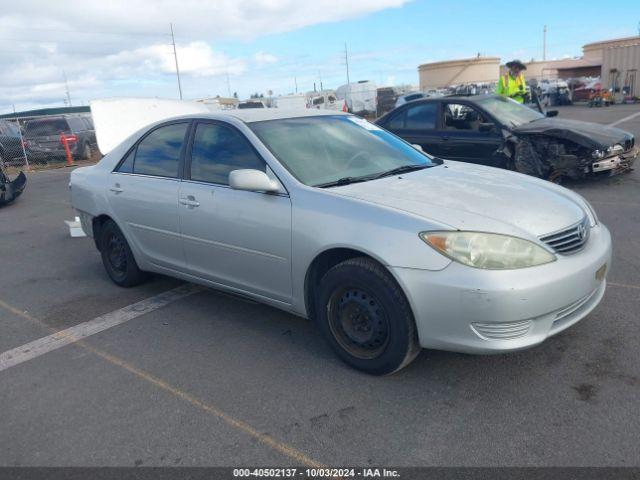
(346, 60)
(295, 81)
(175, 56)
(66, 86)
(544, 43)
(320, 77)
(228, 85)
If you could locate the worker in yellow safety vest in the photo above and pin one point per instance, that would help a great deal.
(512, 83)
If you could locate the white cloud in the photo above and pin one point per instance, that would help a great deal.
(122, 47)
(263, 58)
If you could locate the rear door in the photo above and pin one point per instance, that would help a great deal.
(236, 238)
(417, 124)
(463, 139)
(143, 192)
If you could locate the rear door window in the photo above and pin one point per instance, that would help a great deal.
(158, 154)
(422, 117)
(397, 121)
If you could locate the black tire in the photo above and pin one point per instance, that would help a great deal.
(365, 317)
(86, 152)
(117, 257)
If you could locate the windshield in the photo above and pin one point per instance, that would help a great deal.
(509, 112)
(326, 149)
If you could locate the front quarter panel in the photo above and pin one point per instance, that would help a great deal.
(323, 220)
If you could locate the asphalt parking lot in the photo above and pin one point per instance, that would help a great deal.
(214, 380)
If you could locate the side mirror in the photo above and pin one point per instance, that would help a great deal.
(552, 113)
(252, 181)
(486, 127)
(417, 147)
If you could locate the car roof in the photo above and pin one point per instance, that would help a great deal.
(457, 96)
(250, 115)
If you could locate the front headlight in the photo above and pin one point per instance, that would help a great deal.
(488, 250)
(598, 154)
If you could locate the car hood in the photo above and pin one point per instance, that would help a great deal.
(587, 134)
(471, 197)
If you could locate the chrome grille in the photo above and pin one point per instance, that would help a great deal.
(569, 240)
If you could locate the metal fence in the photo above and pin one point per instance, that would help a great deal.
(28, 143)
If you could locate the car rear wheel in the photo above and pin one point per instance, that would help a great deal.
(365, 317)
(86, 152)
(117, 257)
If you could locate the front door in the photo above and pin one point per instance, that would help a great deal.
(143, 192)
(465, 142)
(236, 238)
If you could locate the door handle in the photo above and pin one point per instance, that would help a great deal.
(189, 201)
(116, 189)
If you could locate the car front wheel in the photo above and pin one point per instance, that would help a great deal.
(117, 258)
(366, 318)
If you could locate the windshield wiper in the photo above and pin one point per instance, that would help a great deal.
(343, 181)
(402, 169)
(366, 178)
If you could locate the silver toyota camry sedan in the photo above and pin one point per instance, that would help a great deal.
(329, 217)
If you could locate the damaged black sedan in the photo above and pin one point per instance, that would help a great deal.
(496, 131)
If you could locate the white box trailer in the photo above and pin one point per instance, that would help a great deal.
(361, 97)
(291, 102)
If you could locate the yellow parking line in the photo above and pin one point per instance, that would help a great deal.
(244, 427)
(623, 285)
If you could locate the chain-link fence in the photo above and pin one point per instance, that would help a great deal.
(28, 143)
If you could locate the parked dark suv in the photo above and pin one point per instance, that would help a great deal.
(43, 136)
(10, 143)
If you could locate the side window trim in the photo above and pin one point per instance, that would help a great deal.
(134, 149)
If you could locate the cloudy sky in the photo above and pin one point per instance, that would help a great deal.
(122, 47)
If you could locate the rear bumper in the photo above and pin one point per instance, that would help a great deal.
(57, 151)
(482, 311)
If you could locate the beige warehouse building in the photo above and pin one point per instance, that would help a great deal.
(615, 61)
(454, 72)
(620, 64)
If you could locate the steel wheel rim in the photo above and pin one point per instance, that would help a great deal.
(358, 322)
(116, 254)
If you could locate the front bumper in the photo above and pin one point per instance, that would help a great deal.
(616, 164)
(471, 310)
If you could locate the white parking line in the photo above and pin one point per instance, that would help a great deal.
(99, 324)
(625, 119)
